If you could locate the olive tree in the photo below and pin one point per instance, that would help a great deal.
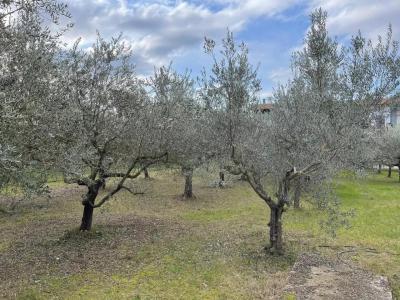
(175, 96)
(106, 126)
(228, 91)
(321, 119)
(27, 53)
(192, 136)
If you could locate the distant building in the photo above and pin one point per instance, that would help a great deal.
(266, 107)
(393, 111)
(390, 113)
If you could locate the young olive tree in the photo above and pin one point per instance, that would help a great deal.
(320, 123)
(192, 136)
(174, 95)
(106, 126)
(229, 91)
(27, 52)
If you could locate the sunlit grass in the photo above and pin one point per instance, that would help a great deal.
(374, 230)
(210, 247)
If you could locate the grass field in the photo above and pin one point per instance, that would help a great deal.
(156, 246)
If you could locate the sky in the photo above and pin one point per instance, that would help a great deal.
(164, 31)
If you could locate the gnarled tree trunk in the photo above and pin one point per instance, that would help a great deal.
(276, 209)
(390, 171)
(88, 204)
(275, 230)
(188, 174)
(87, 217)
(275, 222)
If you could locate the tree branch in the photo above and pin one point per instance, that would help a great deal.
(305, 171)
(149, 161)
(130, 191)
(10, 12)
(259, 189)
(80, 181)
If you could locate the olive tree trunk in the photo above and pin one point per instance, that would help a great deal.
(221, 179)
(188, 174)
(399, 171)
(146, 173)
(275, 222)
(297, 194)
(390, 171)
(88, 204)
(275, 230)
(87, 217)
(276, 209)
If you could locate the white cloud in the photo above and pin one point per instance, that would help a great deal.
(346, 17)
(159, 31)
(162, 30)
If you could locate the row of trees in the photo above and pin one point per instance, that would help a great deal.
(87, 113)
(388, 150)
(321, 120)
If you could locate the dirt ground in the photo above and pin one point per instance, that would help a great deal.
(314, 277)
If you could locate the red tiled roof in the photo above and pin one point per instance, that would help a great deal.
(265, 106)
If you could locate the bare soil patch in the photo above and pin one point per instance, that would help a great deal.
(315, 277)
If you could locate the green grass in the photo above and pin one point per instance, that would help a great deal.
(375, 228)
(156, 246)
(377, 212)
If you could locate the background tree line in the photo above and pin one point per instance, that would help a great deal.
(87, 114)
